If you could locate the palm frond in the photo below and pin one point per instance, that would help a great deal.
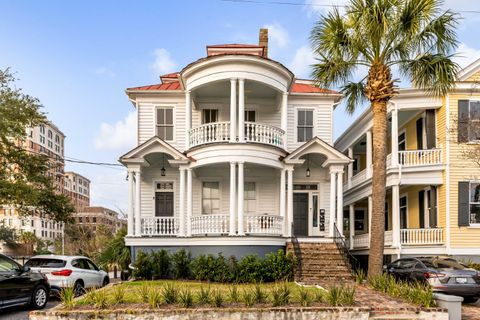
(332, 72)
(354, 93)
(434, 73)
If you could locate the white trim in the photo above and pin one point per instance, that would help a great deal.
(211, 179)
(174, 118)
(447, 178)
(403, 130)
(154, 182)
(402, 195)
(314, 123)
(469, 70)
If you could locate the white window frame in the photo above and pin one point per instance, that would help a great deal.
(474, 224)
(314, 124)
(404, 195)
(174, 124)
(404, 132)
(219, 196)
(254, 200)
(154, 188)
(476, 140)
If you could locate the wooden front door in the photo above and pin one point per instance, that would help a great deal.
(300, 214)
(164, 204)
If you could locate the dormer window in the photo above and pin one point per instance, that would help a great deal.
(165, 123)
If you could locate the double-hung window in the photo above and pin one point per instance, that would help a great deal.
(304, 125)
(165, 123)
(402, 141)
(250, 198)
(475, 202)
(210, 115)
(211, 198)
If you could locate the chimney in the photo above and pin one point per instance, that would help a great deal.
(263, 41)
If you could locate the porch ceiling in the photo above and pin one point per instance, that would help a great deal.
(221, 89)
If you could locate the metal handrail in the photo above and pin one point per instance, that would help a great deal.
(342, 246)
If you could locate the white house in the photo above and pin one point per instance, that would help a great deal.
(234, 155)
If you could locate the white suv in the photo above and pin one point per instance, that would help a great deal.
(69, 271)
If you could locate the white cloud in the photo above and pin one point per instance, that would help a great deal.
(120, 135)
(466, 55)
(302, 61)
(316, 7)
(277, 35)
(104, 71)
(163, 62)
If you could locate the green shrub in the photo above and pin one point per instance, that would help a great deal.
(222, 272)
(217, 299)
(360, 276)
(204, 295)
(185, 298)
(233, 293)
(160, 262)
(67, 297)
(203, 267)
(304, 297)
(319, 295)
(334, 295)
(181, 264)
(347, 296)
(279, 266)
(154, 298)
(118, 294)
(101, 299)
(259, 295)
(251, 269)
(280, 294)
(234, 269)
(89, 296)
(170, 293)
(144, 291)
(248, 298)
(143, 266)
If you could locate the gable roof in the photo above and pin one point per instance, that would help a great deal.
(468, 71)
(317, 145)
(152, 145)
(169, 86)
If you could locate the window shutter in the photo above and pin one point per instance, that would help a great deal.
(420, 134)
(421, 208)
(430, 128)
(433, 207)
(462, 120)
(463, 203)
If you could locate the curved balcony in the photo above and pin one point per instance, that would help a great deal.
(220, 132)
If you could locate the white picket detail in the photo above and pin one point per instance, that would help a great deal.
(160, 226)
(209, 133)
(210, 224)
(262, 133)
(421, 236)
(420, 157)
(263, 224)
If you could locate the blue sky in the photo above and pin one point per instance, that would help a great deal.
(77, 57)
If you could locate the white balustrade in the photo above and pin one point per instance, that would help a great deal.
(263, 224)
(421, 236)
(359, 178)
(210, 132)
(388, 238)
(420, 157)
(361, 241)
(210, 224)
(262, 133)
(160, 226)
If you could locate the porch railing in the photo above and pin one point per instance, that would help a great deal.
(359, 178)
(420, 157)
(210, 132)
(210, 224)
(263, 133)
(263, 224)
(388, 238)
(421, 236)
(160, 226)
(361, 241)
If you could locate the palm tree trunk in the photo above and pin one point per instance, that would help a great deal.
(375, 261)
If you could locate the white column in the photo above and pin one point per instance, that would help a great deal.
(289, 201)
(369, 153)
(241, 110)
(131, 209)
(352, 223)
(138, 198)
(282, 200)
(395, 216)
(233, 110)
(188, 118)
(340, 202)
(350, 167)
(284, 116)
(370, 210)
(181, 228)
(333, 176)
(240, 200)
(394, 156)
(189, 202)
(233, 169)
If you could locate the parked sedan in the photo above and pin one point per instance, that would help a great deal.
(444, 274)
(69, 271)
(21, 285)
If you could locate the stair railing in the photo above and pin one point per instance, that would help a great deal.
(339, 240)
(297, 251)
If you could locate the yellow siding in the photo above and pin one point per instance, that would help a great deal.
(475, 77)
(411, 133)
(460, 170)
(412, 202)
(363, 161)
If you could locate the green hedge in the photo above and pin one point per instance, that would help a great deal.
(163, 265)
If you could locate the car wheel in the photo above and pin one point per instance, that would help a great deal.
(470, 299)
(39, 297)
(78, 288)
(106, 281)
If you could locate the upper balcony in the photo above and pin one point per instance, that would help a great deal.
(220, 132)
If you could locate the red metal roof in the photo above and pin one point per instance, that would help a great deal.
(310, 88)
(234, 45)
(160, 86)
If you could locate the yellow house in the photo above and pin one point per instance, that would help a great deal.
(433, 186)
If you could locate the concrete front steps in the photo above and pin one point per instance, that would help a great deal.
(320, 263)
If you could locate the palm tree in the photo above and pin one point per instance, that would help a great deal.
(414, 36)
(29, 239)
(115, 253)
